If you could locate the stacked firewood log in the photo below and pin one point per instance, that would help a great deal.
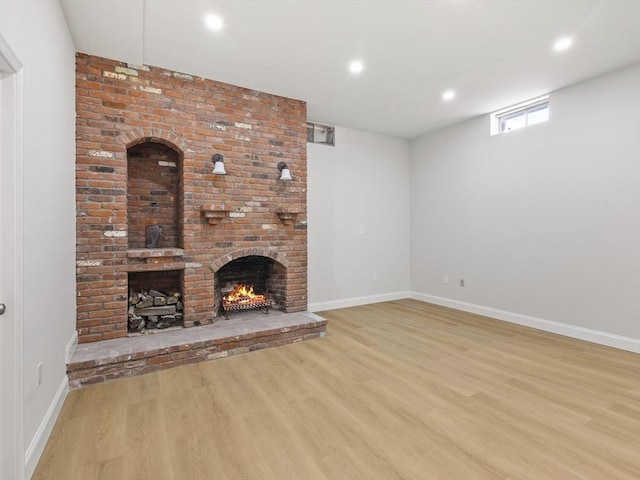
(153, 309)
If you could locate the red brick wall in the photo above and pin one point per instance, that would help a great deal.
(120, 106)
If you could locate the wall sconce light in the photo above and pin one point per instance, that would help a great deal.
(218, 164)
(284, 170)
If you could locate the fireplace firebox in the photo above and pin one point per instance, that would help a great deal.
(251, 282)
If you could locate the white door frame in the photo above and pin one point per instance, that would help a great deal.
(12, 460)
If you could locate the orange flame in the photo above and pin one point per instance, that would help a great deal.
(244, 294)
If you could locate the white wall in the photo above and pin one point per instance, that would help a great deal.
(360, 185)
(37, 33)
(542, 222)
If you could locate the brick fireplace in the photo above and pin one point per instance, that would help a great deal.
(145, 140)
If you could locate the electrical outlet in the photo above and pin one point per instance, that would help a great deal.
(445, 280)
(462, 282)
(374, 277)
(39, 374)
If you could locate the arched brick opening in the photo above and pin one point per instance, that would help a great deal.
(263, 269)
(154, 192)
(139, 134)
(279, 257)
(155, 219)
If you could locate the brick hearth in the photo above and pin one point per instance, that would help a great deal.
(98, 362)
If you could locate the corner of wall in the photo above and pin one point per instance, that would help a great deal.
(70, 349)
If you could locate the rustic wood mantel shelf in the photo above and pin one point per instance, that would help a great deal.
(214, 213)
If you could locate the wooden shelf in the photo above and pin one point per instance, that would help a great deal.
(287, 213)
(214, 213)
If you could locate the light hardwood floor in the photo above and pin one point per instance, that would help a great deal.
(397, 390)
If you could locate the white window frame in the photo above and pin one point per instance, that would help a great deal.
(524, 107)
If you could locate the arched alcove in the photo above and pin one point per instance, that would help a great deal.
(154, 191)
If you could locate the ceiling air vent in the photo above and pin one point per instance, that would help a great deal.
(322, 134)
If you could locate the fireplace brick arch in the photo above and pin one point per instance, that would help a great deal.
(139, 135)
(279, 257)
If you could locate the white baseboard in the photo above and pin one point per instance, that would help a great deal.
(37, 444)
(594, 336)
(70, 349)
(356, 301)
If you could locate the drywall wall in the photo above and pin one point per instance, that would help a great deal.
(358, 220)
(542, 222)
(37, 33)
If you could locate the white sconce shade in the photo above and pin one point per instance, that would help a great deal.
(218, 164)
(285, 172)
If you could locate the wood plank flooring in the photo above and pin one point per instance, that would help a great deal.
(397, 390)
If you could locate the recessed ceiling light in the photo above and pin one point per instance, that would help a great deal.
(449, 95)
(214, 22)
(563, 44)
(356, 67)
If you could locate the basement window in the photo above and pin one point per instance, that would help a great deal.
(322, 134)
(520, 116)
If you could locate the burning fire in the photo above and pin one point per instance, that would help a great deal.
(244, 294)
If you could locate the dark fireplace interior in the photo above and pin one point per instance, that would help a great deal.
(155, 300)
(265, 275)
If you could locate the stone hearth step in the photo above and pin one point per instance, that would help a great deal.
(123, 357)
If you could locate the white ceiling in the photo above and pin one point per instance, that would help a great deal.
(494, 53)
